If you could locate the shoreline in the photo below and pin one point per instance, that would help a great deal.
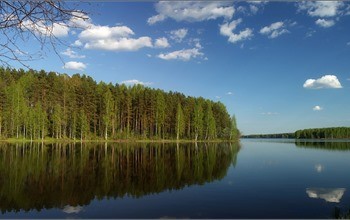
(112, 141)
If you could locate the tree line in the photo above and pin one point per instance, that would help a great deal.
(39, 104)
(281, 135)
(323, 133)
(312, 133)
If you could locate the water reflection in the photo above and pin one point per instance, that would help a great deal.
(67, 176)
(72, 209)
(328, 194)
(319, 168)
(327, 145)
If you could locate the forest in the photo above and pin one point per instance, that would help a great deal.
(323, 133)
(37, 105)
(311, 133)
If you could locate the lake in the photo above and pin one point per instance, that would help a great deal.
(253, 179)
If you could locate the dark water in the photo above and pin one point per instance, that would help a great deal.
(253, 179)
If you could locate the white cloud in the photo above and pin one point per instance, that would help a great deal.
(348, 43)
(77, 43)
(80, 20)
(324, 23)
(321, 8)
(184, 54)
(317, 108)
(72, 65)
(134, 82)
(274, 30)
(72, 54)
(227, 29)
(156, 18)
(178, 35)
(218, 97)
(310, 33)
(191, 11)
(253, 8)
(121, 44)
(229, 93)
(162, 43)
(39, 28)
(105, 32)
(269, 113)
(327, 81)
(117, 38)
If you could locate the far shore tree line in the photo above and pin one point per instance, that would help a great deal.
(312, 133)
(39, 105)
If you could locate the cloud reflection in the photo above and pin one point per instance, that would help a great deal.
(319, 168)
(328, 194)
(72, 209)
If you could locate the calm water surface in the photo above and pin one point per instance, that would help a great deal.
(253, 179)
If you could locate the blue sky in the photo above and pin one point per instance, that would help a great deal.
(277, 66)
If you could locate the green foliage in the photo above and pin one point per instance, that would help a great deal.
(324, 133)
(38, 105)
(180, 122)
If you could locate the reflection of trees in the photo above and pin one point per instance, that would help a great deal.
(38, 176)
(324, 145)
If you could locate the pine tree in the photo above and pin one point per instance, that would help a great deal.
(180, 122)
(198, 120)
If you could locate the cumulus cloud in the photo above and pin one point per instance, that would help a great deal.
(40, 28)
(77, 43)
(229, 93)
(116, 38)
(72, 65)
(191, 11)
(324, 23)
(72, 54)
(317, 108)
(80, 20)
(105, 32)
(178, 35)
(321, 8)
(134, 82)
(227, 29)
(162, 42)
(121, 44)
(325, 82)
(274, 30)
(184, 54)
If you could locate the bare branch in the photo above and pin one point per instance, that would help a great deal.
(39, 20)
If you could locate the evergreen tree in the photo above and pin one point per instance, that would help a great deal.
(180, 122)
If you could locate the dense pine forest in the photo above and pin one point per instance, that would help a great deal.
(39, 105)
(324, 133)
